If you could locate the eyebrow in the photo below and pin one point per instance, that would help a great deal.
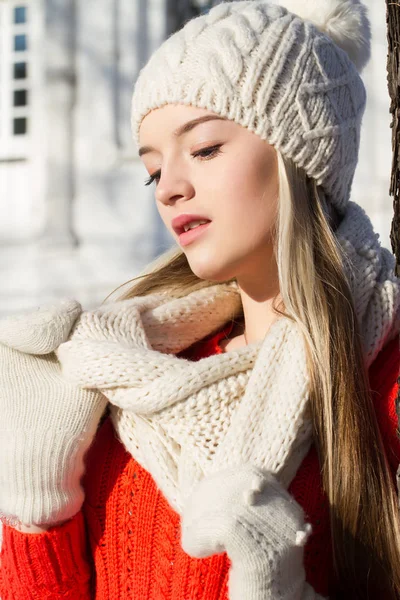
(185, 128)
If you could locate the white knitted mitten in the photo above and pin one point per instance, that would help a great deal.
(246, 513)
(46, 423)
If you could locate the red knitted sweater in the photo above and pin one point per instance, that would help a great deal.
(125, 542)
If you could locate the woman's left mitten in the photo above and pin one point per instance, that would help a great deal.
(248, 514)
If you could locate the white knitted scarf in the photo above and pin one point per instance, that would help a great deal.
(182, 419)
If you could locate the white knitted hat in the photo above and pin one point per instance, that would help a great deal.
(291, 77)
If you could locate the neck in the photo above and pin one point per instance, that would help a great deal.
(258, 295)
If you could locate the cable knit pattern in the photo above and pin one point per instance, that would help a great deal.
(272, 72)
(183, 420)
(375, 288)
(135, 550)
(179, 412)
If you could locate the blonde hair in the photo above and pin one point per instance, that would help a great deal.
(315, 293)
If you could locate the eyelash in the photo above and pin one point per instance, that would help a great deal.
(214, 151)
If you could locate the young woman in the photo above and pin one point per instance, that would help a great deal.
(249, 445)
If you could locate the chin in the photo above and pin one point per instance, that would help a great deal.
(210, 271)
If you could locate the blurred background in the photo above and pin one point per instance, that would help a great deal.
(75, 217)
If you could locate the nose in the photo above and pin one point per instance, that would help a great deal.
(173, 186)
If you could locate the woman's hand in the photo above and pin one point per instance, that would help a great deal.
(246, 513)
(46, 423)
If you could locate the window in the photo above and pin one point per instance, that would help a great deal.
(20, 43)
(19, 126)
(16, 41)
(20, 70)
(20, 14)
(20, 97)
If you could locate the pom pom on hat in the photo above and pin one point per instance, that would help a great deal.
(344, 21)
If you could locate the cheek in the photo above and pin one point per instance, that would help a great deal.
(166, 219)
(250, 200)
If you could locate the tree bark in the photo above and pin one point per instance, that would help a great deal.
(178, 13)
(181, 11)
(393, 71)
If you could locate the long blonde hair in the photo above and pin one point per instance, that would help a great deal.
(315, 293)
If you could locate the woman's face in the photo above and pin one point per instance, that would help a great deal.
(221, 171)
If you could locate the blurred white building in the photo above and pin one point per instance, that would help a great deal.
(75, 217)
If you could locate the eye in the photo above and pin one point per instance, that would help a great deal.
(154, 177)
(209, 152)
(205, 153)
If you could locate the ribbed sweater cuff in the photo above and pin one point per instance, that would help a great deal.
(46, 565)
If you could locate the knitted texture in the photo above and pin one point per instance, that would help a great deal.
(374, 286)
(177, 415)
(46, 424)
(134, 535)
(246, 512)
(40, 331)
(182, 420)
(275, 73)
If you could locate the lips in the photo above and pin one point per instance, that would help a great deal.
(179, 222)
(191, 235)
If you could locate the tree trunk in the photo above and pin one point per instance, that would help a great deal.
(393, 70)
(178, 13)
(181, 11)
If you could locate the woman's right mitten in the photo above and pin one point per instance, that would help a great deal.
(46, 423)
